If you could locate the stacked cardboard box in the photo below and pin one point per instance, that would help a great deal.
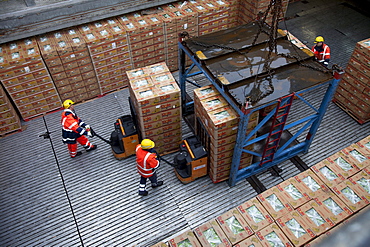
(214, 15)
(187, 238)
(156, 99)
(9, 119)
(211, 234)
(221, 123)
(249, 10)
(69, 63)
(353, 92)
(107, 43)
(27, 80)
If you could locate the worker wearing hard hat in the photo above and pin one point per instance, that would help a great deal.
(74, 130)
(147, 164)
(321, 51)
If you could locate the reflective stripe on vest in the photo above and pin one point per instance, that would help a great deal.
(144, 170)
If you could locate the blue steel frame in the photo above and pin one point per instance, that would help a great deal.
(283, 153)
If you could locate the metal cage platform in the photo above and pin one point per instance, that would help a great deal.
(252, 72)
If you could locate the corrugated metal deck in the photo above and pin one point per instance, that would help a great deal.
(49, 199)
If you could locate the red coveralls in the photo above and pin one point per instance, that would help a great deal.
(146, 163)
(73, 131)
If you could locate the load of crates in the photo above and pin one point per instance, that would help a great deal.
(300, 211)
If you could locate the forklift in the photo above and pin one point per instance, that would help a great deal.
(124, 138)
(192, 160)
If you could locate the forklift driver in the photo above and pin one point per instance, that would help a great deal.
(147, 164)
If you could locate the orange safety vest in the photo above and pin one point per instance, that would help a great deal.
(71, 126)
(323, 54)
(145, 162)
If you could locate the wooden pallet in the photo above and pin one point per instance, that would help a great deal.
(350, 113)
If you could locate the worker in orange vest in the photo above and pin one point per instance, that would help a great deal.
(74, 130)
(147, 164)
(321, 51)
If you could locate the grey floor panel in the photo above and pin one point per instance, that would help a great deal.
(34, 208)
(34, 205)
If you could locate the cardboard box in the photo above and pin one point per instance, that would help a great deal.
(185, 239)
(333, 207)
(294, 193)
(136, 73)
(342, 164)
(356, 154)
(234, 225)
(272, 235)
(144, 111)
(205, 92)
(312, 214)
(275, 203)
(168, 91)
(327, 174)
(162, 78)
(295, 228)
(157, 68)
(213, 103)
(251, 241)
(362, 179)
(160, 244)
(147, 96)
(141, 82)
(211, 231)
(221, 119)
(255, 214)
(351, 195)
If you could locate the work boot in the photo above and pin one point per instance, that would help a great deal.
(159, 183)
(77, 154)
(91, 149)
(143, 193)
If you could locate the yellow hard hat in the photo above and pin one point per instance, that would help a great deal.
(319, 39)
(67, 103)
(147, 144)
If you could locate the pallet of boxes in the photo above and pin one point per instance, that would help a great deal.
(27, 80)
(221, 123)
(353, 92)
(156, 99)
(68, 60)
(301, 211)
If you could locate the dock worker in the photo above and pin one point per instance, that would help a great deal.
(75, 130)
(147, 163)
(321, 51)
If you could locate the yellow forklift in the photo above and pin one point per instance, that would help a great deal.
(124, 138)
(192, 160)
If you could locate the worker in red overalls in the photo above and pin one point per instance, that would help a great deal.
(321, 51)
(74, 130)
(147, 164)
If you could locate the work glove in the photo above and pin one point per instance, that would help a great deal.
(87, 127)
(89, 134)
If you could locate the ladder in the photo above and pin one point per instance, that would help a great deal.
(277, 126)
